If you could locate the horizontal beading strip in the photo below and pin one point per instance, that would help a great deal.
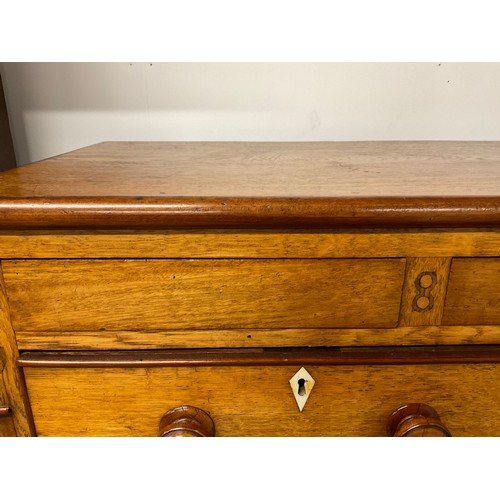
(263, 357)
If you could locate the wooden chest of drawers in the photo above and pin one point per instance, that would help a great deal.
(252, 289)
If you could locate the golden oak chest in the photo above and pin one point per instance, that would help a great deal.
(252, 289)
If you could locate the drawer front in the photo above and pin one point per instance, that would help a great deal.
(92, 295)
(473, 296)
(258, 400)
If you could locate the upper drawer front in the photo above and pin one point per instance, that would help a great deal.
(473, 296)
(71, 295)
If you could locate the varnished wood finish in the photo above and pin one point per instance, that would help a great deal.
(290, 337)
(186, 421)
(259, 357)
(264, 185)
(127, 295)
(416, 420)
(12, 392)
(250, 244)
(473, 292)
(424, 291)
(274, 169)
(143, 277)
(258, 401)
(264, 213)
(7, 428)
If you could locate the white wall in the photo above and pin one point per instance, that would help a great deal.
(57, 107)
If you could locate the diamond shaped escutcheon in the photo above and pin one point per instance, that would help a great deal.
(301, 384)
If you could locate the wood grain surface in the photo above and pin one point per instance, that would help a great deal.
(256, 337)
(473, 292)
(258, 401)
(12, 390)
(82, 295)
(252, 244)
(265, 169)
(237, 185)
(145, 253)
(424, 291)
(7, 427)
(264, 213)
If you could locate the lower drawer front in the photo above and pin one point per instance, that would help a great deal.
(258, 400)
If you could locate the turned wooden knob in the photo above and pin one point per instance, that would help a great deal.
(186, 421)
(416, 420)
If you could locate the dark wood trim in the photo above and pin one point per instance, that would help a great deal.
(261, 357)
(247, 213)
(7, 155)
(26, 400)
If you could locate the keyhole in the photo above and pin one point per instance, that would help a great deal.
(302, 387)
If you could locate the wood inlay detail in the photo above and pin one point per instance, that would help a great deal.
(424, 291)
(424, 283)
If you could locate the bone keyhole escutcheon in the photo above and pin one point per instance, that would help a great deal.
(301, 384)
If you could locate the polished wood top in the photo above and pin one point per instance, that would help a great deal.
(268, 184)
(239, 169)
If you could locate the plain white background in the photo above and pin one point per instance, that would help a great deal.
(56, 107)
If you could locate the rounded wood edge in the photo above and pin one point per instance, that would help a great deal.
(261, 356)
(186, 421)
(416, 419)
(247, 213)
